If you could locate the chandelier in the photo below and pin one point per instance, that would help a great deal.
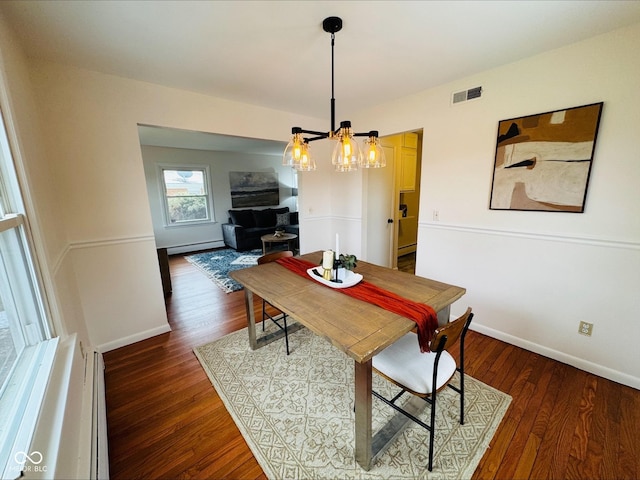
(347, 154)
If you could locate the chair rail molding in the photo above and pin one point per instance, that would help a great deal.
(111, 241)
(553, 237)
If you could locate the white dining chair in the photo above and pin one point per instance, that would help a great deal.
(424, 374)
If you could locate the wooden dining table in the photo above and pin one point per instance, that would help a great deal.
(358, 328)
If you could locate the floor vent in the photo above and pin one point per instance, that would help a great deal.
(466, 95)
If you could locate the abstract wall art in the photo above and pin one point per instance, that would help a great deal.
(543, 161)
(254, 189)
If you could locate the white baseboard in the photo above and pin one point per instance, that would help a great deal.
(121, 342)
(195, 247)
(580, 363)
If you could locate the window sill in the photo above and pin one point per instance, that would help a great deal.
(21, 401)
(190, 224)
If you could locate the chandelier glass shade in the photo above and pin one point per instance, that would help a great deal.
(297, 154)
(372, 153)
(347, 155)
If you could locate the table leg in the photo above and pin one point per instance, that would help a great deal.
(254, 342)
(443, 316)
(363, 383)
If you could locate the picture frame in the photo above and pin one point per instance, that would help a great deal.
(254, 189)
(543, 161)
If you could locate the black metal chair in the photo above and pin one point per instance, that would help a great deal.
(424, 374)
(266, 306)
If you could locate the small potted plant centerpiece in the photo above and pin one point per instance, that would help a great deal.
(337, 272)
(344, 263)
(347, 261)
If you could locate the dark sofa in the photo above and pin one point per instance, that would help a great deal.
(245, 227)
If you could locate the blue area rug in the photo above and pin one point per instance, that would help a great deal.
(217, 265)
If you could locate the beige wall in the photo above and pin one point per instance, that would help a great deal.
(93, 142)
(65, 415)
(40, 193)
(532, 276)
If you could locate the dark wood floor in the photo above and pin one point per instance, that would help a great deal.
(166, 421)
(407, 263)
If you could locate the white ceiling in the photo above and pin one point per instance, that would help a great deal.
(275, 53)
(175, 138)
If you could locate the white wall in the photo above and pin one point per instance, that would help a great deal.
(330, 203)
(209, 235)
(64, 418)
(92, 140)
(532, 276)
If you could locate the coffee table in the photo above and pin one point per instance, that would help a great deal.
(271, 238)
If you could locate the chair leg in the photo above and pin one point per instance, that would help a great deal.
(286, 334)
(284, 318)
(461, 368)
(461, 372)
(432, 430)
(462, 397)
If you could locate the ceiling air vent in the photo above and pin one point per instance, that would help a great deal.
(466, 95)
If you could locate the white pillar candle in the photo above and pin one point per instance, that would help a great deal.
(337, 246)
(327, 260)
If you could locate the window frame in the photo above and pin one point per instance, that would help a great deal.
(23, 391)
(208, 196)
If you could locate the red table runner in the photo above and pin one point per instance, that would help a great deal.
(425, 317)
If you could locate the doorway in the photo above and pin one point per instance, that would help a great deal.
(394, 197)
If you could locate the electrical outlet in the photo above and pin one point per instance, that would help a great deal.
(436, 216)
(585, 328)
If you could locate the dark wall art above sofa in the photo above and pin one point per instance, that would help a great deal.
(254, 189)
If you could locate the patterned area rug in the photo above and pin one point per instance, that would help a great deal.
(217, 265)
(296, 413)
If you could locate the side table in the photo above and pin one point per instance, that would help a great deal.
(271, 238)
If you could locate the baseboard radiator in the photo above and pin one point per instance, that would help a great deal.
(99, 438)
